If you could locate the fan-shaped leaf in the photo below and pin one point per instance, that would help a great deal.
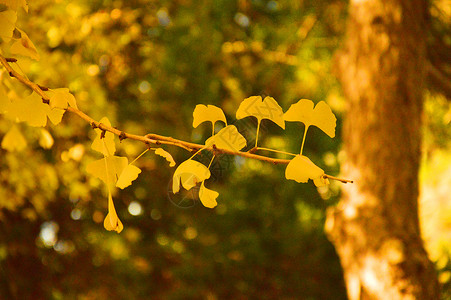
(321, 116)
(114, 164)
(163, 153)
(129, 174)
(61, 98)
(112, 221)
(24, 46)
(105, 145)
(207, 196)
(8, 20)
(203, 113)
(227, 138)
(301, 169)
(261, 109)
(190, 172)
(14, 140)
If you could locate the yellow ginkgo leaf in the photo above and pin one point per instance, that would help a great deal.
(45, 139)
(227, 138)
(24, 46)
(114, 164)
(105, 145)
(163, 153)
(8, 20)
(321, 116)
(261, 109)
(112, 222)
(190, 172)
(30, 110)
(15, 4)
(61, 98)
(203, 113)
(14, 140)
(207, 196)
(301, 169)
(55, 115)
(129, 174)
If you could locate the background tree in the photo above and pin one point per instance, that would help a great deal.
(375, 227)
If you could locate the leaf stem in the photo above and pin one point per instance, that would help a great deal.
(211, 161)
(258, 129)
(139, 156)
(303, 139)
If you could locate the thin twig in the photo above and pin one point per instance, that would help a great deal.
(147, 139)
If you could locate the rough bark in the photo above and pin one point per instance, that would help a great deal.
(375, 227)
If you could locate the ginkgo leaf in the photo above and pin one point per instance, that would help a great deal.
(112, 222)
(30, 110)
(45, 139)
(227, 138)
(15, 4)
(14, 140)
(55, 115)
(203, 113)
(129, 174)
(321, 116)
(301, 169)
(114, 164)
(105, 145)
(61, 98)
(163, 153)
(190, 172)
(8, 20)
(207, 196)
(261, 109)
(24, 46)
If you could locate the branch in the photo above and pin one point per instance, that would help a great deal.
(147, 139)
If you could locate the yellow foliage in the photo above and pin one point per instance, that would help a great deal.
(261, 109)
(227, 138)
(301, 169)
(321, 116)
(161, 152)
(129, 174)
(24, 46)
(190, 173)
(106, 144)
(112, 221)
(207, 196)
(8, 20)
(14, 140)
(203, 113)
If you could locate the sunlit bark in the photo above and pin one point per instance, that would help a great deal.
(375, 227)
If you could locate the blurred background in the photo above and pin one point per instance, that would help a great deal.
(145, 65)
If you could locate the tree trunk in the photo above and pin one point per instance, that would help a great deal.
(375, 227)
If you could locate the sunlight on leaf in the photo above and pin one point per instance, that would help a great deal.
(301, 169)
(129, 174)
(109, 148)
(8, 20)
(190, 172)
(24, 46)
(207, 196)
(15, 4)
(112, 222)
(45, 139)
(227, 138)
(61, 98)
(14, 140)
(30, 110)
(203, 113)
(116, 165)
(163, 153)
(321, 116)
(261, 109)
